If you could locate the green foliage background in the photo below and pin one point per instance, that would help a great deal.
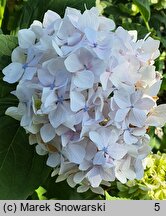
(23, 173)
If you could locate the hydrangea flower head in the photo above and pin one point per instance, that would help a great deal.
(86, 96)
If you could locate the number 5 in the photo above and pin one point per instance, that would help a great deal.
(157, 206)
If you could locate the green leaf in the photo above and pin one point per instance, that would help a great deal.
(142, 30)
(163, 40)
(2, 9)
(121, 187)
(61, 5)
(21, 169)
(5, 89)
(108, 197)
(7, 44)
(6, 102)
(40, 193)
(160, 18)
(4, 61)
(144, 8)
(6, 99)
(132, 189)
(154, 143)
(35, 9)
(163, 85)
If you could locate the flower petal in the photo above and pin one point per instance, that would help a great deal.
(99, 158)
(97, 190)
(82, 188)
(157, 117)
(85, 165)
(78, 177)
(58, 116)
(49, 18)
(44, 77)
(145, 103)
(91, 35)
(104, 79)
(122, 98)
(94, 176)
(117, 151)
(73, 63)
(13, 72)
(47, 132)
(26, 38)
(96, 138)
(14, 112)
(129, 138)
(88, 20)
(29, 73)
(121, 114)
(84, 79)
(137, 117)
(75, 153)
(77, 101)
(53, 160)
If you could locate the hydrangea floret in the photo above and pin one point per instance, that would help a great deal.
(87, 95)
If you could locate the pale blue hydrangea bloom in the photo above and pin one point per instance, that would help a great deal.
(86, 96)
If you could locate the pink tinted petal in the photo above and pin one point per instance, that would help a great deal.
(84, 79)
